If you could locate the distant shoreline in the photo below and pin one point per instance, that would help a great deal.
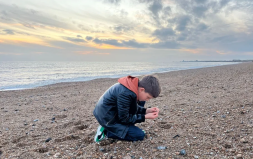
(221, 61)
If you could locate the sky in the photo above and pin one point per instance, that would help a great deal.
(126, 30)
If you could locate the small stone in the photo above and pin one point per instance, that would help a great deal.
(64, 109)
(156, 130)
(127, 157)
(223, 116)
(243, 140)
(228, 145)
(47, 140)
(239, 156)
(102, 149)
(161, 147)
(182, 152)
(119, 142)
(53, 118)
(57, 155)
(195, 156)
(36, 120)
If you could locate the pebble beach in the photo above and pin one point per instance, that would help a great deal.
(204, 113)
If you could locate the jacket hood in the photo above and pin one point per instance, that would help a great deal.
(131, 83)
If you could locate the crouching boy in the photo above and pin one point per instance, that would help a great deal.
(122, 105)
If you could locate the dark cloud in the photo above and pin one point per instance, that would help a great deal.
(134, 44)
(182, 22)
(122, 28)
(166, 45)
(156, 7)
(89, 38)
(163, 33)
(113, 1)
(78, 40)
(79, 36)
(8, 31)
(201, 27)
(199, 11)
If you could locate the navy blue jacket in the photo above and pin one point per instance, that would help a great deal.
(117, 109)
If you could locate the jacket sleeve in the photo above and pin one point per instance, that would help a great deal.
(141, 110)
(124, 101)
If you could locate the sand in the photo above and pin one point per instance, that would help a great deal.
(207, 112)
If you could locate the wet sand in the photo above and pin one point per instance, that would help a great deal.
(208, 112)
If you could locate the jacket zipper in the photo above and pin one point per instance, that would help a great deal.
(111, 119)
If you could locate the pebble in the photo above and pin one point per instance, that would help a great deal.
(161, 147)
(182, 152)
(36, 120)
(57, 155)
(119, 142)
(239, 156)
(243, 140)
(102, 149)
(223, 116)
(196, 156)
(47, 140)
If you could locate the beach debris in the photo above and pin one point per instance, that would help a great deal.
(36, 120)
(182, 152)
(176, 136)
(47, 140)
(161, 147)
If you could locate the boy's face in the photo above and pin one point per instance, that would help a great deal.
(143, 96)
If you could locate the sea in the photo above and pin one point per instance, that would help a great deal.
(15, 75)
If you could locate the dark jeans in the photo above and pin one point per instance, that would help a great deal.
(134, 134)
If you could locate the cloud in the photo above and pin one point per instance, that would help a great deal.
(134, 44)
(78, 40)
(79, 36)
(122, 28)
(113, 1)
(89, 38)
(156, 7)
(182, 21)
(29, 18)
(8, 31)
(163, 33)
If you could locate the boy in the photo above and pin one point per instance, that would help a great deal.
(122, 105)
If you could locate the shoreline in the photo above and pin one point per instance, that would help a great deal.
(205, 111)
(16, 89)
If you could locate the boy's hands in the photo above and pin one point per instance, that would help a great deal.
(152, 110)
(152, 113)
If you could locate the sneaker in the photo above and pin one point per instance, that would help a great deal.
(100, 135)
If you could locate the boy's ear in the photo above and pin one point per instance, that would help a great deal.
(141, 89)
